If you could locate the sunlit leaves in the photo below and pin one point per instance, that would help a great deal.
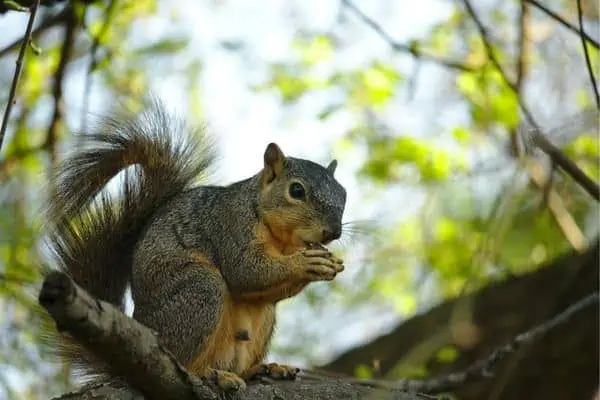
(289, 83)
(378, 83)
(131, 9)
(166, 46)
(461, 135)
(447, 354)
(490, 98)
(314, 51)
(585, 150)
(404, 157)
(36, 74)
(372, 87)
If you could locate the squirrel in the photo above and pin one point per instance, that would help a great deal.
(206, 265)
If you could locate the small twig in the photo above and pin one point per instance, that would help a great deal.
(587, 54)
(401, 47)
(557, 156)
(19, 66)
(57, 90)
(563, 22)
(41, 28)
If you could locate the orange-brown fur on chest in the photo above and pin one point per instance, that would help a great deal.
(279, 240)
(252, 312)
(278, 233)
(224, 350)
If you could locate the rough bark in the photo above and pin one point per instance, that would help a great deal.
(325, 390)
(562, 365)
(134, 353)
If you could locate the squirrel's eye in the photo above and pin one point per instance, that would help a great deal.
(297, 191)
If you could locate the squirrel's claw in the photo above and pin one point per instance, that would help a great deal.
(228, 381)
(273, 370)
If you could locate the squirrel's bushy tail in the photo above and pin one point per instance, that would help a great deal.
(91, 231)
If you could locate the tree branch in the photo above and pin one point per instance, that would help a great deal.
(411, 49)
(135, 354)
(130, 348)
(500, 312)
(562, 160)
(539, 139)
(18, 67)
(486, 368)
(43, 27)
(588, 63)
(563, 22)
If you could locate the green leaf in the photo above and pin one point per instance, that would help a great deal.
(407, 149)
(447, 354)
(328, 111)
(446, 229)
(318, 50)
(436, 167)
(467, 83)
(462, 135)
(505, 107)
(363, 371)
(380, 83)
(163, 47)
(584, 146)
(13, 5)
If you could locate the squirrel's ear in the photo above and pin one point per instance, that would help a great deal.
(332, 166)
(274, 163)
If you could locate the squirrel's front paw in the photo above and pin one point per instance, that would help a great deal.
(273, 371)
(319, 264)
(228, 381)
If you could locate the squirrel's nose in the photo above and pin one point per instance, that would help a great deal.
(332, 233)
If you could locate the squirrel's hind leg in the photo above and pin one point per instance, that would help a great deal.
(195, 324)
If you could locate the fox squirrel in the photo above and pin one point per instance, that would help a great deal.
(206, 264)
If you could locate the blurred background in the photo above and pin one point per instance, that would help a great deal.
(460, 234)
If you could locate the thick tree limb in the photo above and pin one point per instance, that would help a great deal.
(562, 364)
(130, 348)
(486, 368)
(135, 354)
(301, 390)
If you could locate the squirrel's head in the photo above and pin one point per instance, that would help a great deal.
(300, 201)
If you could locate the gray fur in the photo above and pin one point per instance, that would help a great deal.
(148, 237)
